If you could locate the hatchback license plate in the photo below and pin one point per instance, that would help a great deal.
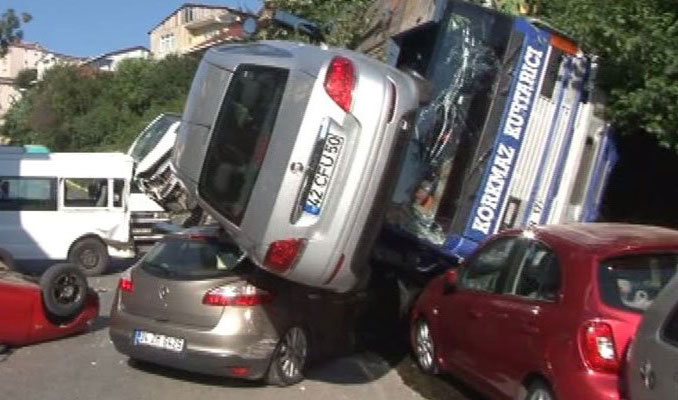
(158, 341)
(323, 174)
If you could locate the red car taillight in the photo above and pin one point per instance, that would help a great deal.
(597, 347)
(126, 284)
(340, 81)
(282, 254)
(237, 294)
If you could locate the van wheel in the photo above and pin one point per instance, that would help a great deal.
(64, 289)
(538, 390)
(91, 255)
(289, 359)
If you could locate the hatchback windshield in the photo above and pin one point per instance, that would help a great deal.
(633, 282)
(178, 258)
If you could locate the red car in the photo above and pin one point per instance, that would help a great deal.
(57, 304)
(544, 313)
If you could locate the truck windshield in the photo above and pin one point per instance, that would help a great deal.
(453, 131)
(150, 136)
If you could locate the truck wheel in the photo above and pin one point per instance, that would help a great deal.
(64, 289)
(91, 255)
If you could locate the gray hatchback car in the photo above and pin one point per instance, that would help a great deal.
(652, 371)
(292, 148)
(193, 302)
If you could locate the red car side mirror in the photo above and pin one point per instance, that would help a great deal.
(451, 278)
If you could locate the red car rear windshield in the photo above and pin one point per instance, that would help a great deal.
(178, 258)
(632, 282)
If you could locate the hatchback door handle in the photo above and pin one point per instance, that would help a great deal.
(530, 329)
(474, 314)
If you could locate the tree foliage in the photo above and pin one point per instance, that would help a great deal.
(343, 22)
(637, 41)
(79, 109)
(26, 78)
(10, 28)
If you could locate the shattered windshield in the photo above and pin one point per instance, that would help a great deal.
(463, 69)
(151, 136)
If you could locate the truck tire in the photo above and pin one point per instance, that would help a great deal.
(91, 255)
(64, 290)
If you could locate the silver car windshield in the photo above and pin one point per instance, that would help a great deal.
(179, 258)
(240, 138)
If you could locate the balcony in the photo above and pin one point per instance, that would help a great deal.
(212, 21)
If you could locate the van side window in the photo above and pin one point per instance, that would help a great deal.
(85, 192)
(118, 188)
(27, 194)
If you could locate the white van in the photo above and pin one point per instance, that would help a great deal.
(65, 206)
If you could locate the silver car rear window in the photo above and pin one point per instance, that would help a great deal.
(179, 258)
(240, 138)
(632, 282)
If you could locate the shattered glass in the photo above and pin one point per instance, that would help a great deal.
(463, 69)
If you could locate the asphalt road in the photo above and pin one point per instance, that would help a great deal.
(87, 366)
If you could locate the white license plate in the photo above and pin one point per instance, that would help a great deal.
(323, 174)
(158, 341)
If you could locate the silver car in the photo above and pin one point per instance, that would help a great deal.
(193, 302)
(293, 149)
(652, 370)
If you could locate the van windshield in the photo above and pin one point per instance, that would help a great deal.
(240, 138)
(632, 282)
(151, 136)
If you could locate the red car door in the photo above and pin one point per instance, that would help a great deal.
(524, 318)
(465, 334)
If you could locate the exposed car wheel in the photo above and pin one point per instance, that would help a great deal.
(289, 359)
(424, 349)
(64, 290)
(539, 391)
(91, 255)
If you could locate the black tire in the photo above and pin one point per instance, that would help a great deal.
(64, 290)
(91, 255)
(539, 390)
(289, 359)
(423, 346)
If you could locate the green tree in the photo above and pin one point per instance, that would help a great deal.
(10, 28)
(343, 22)
(81, 109)
(26, 78)
(637, 41)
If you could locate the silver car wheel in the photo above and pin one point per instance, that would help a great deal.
(539, 391)
(293, 352)
(423, 342)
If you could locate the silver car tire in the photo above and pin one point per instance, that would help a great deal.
(424, 347)
(539, 391)
(289, 359)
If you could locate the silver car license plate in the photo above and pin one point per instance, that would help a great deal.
(158, 341)
(323, 174)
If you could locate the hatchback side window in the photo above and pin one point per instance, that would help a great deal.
(538, 274)
(485, 268)
(670, 333)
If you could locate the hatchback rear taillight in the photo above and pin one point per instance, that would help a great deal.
(597, 347)
(241, 294)
(126, 284)
(283, 254)
(340, 81)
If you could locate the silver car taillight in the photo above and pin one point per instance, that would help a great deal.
(241, 294)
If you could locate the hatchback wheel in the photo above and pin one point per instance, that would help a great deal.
(289, 359)
(539, 391)
(424, 348)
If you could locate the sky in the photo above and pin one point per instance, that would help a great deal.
(86, 28)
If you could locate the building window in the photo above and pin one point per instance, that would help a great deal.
(167, 43)
(188, 15)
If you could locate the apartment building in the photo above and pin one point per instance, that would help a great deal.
(20, 56)
(193, 27)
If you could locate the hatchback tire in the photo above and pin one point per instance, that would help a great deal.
(64, 290)
(424, 348)
(289, 359)
(91, 255)
(538, 390)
